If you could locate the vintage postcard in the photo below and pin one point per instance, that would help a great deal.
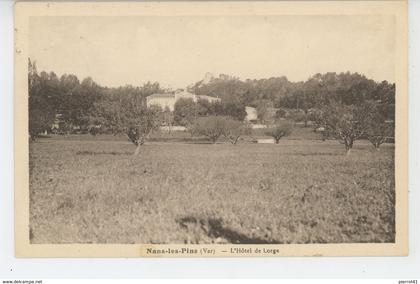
(211, 129)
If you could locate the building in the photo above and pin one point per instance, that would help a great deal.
(168, 100)
(162, 100)
(208, 98)
(251, 114)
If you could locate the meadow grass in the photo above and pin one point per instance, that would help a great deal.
(299, 191)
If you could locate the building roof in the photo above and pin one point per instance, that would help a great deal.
(165, 95)
(182, 93)
(207, 97)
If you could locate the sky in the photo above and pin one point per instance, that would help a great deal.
(179, 51)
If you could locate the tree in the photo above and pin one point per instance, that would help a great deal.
(296, 115)
(347, 123)
(185, 112)
(234, 129)
(281, 129)
(234, 110)
(136, 120)
(302, 100)
(204, 107)
(168, 118)
(263, 110)
(378, 135)
(40, 110)
(39, 121)
(318, 118)
(211, 126)
(378, 129)
(306, 104)
(280, 113)
(76, 100)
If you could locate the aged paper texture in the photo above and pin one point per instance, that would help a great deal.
(211, 129)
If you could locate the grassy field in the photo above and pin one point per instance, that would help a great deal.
(92, 190)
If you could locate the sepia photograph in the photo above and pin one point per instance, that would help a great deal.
(201, 130)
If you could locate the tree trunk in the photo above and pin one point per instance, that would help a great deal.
(139, 143)
(349, 146)
(137, 151)
(306, 119)
(348, 150)
(234, 140)
(32, 138)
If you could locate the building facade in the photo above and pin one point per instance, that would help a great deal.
(251, 114)
(168, 100)
(162, 100)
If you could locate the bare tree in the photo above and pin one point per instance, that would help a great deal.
(168, 118)
(210, 126)
(280, 130)
(319, 123)
(347, 123)
(379, 135)
(134, 120)
(235, 129)
(378, 129)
